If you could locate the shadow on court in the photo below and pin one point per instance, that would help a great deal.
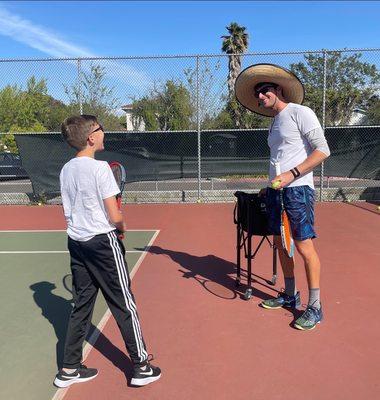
(215, 274)
(57, 309)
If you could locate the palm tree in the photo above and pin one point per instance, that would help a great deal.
(235, 44)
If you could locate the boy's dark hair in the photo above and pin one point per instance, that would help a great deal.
(75, 130)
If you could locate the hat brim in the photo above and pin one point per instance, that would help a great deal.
(293, 90)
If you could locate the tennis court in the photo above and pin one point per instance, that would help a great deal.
(208, 341)
(36, 286)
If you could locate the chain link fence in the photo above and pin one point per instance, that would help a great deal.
(174, 123)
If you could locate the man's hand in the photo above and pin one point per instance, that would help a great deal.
(282, 180)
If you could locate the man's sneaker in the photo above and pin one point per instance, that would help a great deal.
(283, 300)
(81, 374)
(145, 373)
(309, 319)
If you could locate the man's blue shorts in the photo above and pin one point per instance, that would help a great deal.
(299, 205)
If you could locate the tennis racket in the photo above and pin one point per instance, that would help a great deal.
(286, 233)
(120, 177)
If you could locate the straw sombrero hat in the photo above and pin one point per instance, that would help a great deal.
(247, 80)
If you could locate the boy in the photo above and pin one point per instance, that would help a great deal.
(93, 219)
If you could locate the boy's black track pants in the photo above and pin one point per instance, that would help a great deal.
(99, 263)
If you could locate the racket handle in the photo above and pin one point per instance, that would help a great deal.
(278, 168)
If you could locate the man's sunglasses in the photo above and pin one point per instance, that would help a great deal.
(99, 128)
(263, 90)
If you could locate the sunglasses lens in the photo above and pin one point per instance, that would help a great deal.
(263, 91)
(99, 128)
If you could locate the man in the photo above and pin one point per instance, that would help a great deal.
(297, 143)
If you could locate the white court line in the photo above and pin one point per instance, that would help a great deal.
(63, 230)
(60, 393)
(33, 230)
(144, 253)
(12, 183)
(52, 252)
(35, 252)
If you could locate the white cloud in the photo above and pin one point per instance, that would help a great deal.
(50, 43)
(37, 37)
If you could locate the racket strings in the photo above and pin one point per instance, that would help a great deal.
(117, 175)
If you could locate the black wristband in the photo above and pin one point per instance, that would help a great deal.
(294, 173)
(297, 171)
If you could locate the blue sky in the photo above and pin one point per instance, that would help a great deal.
(53, 29)
(97, 28)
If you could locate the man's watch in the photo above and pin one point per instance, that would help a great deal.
(296, 173)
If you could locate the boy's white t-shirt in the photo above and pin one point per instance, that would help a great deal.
(287, 141)
(85, 183)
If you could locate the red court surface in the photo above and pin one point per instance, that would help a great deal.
(212, 344)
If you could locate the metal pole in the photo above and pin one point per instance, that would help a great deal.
(323, 117)
(80, 87)
(199, 134)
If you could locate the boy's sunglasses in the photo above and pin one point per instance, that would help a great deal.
(263, 90)
(99, 128)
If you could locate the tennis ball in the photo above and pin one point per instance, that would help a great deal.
(378, 208)
(39, 203)
(276, 184)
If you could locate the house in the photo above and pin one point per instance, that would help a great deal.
(357, 116)
(127, 108)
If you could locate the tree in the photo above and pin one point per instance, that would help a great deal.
(10, 106)
(21, 111)
(234, 44)
(96, 97)
(350, 83)
(8, 142)
(29, 110)
(146, 110)
(58, 111)
(36, 102)
(224, 119)
(167, 108)
(373, 112)
(202, 92)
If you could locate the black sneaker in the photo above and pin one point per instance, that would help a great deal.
(145, 373)
(81, 374)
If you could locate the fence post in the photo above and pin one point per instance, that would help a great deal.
(80, 86)
(323, 118)
(199, 133)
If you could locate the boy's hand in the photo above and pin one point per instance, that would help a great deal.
(124, 226)
(114, 214)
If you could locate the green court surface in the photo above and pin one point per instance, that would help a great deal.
(36, 307)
